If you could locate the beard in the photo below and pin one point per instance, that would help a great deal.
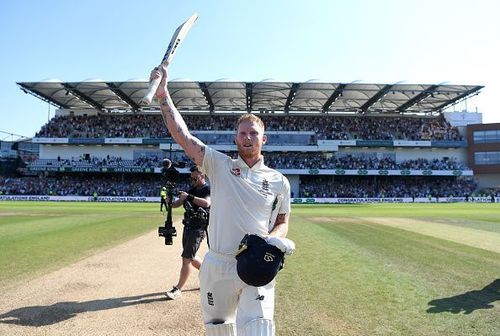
(248, 152)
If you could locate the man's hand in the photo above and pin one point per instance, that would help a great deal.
(284, 244)
(162, 89)
(183, 195)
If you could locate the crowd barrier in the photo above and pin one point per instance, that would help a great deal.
(487, 199)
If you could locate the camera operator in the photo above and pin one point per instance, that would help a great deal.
(196, 202)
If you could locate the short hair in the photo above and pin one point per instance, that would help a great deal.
(249, 117)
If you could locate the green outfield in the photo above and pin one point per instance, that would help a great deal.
(377, 269)
(392, 269)
(36, 237)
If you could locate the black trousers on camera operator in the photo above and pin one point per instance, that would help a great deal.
(196, 202)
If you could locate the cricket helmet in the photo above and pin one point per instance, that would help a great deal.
(257, 261)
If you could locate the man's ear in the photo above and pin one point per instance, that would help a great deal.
(264, 139)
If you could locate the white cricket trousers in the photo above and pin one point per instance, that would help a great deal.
(225, 298)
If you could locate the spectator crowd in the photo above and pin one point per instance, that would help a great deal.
(86, 185)
(327, 186)
(325, 127)
(313, 160)
(277, 160)
(310, 186)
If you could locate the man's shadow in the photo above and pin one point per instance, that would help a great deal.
(37, 316)
(469, 301)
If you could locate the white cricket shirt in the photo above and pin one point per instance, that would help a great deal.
(242, 199)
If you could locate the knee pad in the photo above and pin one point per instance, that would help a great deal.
(259, 327)
(221, 329)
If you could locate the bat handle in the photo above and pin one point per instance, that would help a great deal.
(153, 85)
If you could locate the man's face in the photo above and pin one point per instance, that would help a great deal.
(196, 179)
(249, 139)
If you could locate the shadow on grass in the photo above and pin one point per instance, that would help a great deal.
(469, 301)
(37, 316)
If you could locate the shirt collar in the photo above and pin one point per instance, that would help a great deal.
(259, 164)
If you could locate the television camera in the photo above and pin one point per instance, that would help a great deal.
(170, 176)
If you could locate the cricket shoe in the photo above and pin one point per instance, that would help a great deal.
(174, 293)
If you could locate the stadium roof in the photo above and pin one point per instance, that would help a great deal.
(264, 96)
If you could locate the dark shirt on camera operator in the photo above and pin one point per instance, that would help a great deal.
(195, 226)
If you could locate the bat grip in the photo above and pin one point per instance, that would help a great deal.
(153, 85)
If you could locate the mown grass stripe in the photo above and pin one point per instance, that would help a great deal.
(35, 242)
(470, 236)
(377, 280)
(350, 275)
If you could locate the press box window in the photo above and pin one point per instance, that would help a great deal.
(487, 158)
(487, 136)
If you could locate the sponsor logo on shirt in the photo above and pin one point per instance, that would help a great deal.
(210, 298)
(236, 171)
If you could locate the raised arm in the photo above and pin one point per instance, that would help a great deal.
(176, 125)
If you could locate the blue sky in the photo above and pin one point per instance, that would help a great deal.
(384, 41)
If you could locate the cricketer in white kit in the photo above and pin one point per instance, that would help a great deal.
(247, 197)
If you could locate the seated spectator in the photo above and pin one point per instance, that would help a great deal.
(371, 187)
(326, 127)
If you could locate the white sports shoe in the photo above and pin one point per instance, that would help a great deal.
(174, 293)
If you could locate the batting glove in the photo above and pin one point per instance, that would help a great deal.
(284, 244)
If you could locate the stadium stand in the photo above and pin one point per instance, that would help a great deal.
(324, 127)
(331, 140)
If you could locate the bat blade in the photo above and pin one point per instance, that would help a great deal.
(176, 40)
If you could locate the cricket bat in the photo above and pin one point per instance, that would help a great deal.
(179, 35)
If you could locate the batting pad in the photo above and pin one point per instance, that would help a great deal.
(259, 327)
(221, 329)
